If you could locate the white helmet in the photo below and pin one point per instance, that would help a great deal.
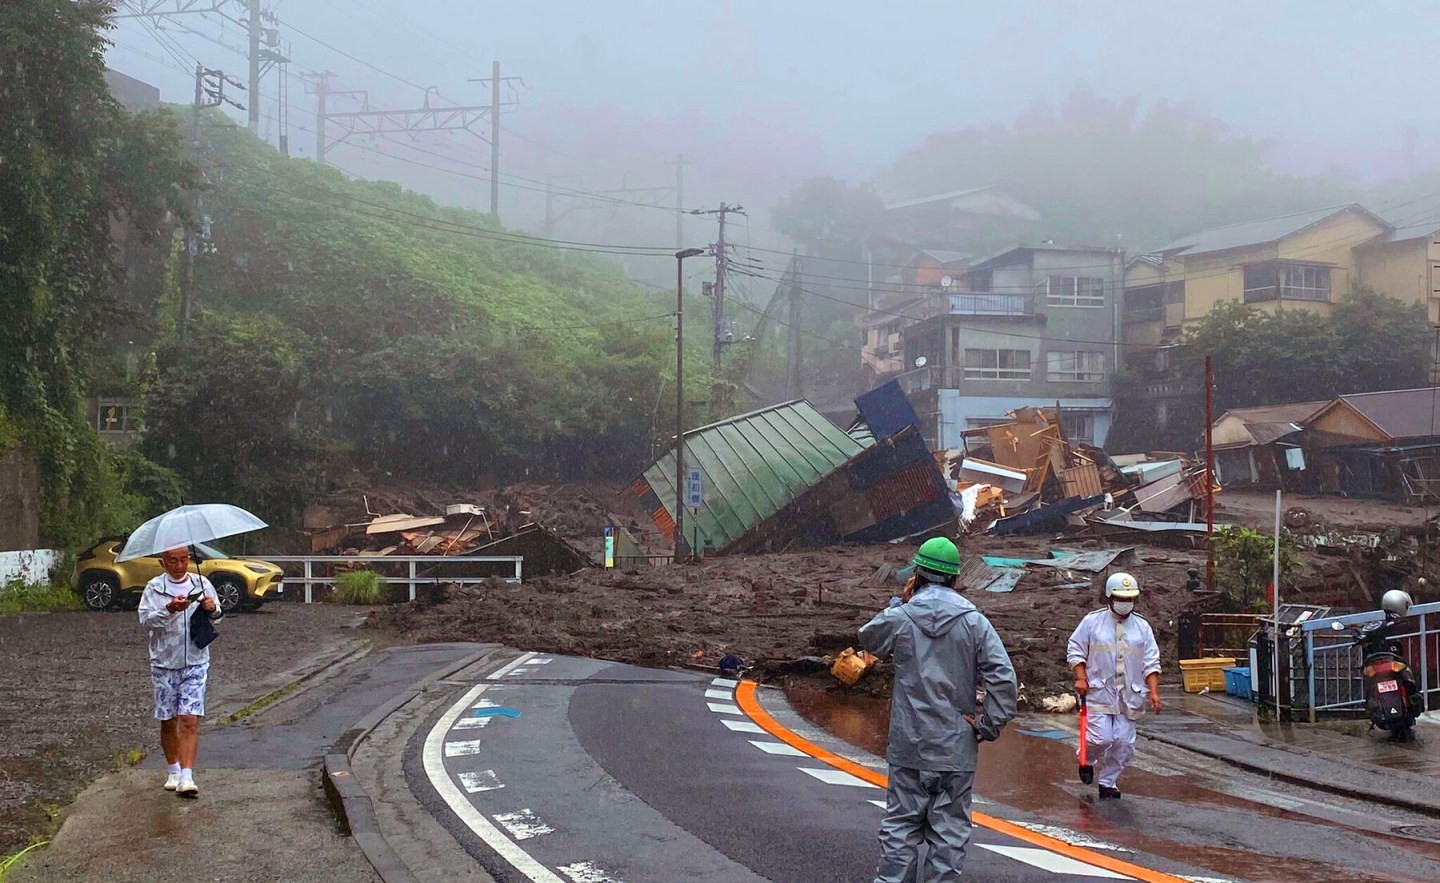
(1396, 603)
(1122, 586)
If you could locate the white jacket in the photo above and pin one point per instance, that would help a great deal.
(1118, 655)
(170, 644)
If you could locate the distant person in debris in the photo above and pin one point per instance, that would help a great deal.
(1117, 673)
(1192, 580)
(944, 649)
(178, 668)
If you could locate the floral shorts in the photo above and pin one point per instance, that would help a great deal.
(179, 690)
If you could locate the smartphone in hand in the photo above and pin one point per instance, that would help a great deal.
(196, 596)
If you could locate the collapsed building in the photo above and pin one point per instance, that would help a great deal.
(786, 477)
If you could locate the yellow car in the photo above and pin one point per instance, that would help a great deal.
(102, 583)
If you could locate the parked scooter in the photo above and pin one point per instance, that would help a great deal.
(1392, 695)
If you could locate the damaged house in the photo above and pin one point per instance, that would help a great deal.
(785, 477)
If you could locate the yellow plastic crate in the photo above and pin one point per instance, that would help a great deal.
(1202, 673)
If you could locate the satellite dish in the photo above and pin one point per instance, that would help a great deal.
(946, 281)
(921, 361)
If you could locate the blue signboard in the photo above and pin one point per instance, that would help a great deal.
(694, 489)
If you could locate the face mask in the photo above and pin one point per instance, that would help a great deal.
(1122, 608)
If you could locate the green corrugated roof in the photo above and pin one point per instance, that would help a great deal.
(754, 465)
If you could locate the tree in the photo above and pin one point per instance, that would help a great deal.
(1114, 172)
(73, 166)
(1372, 342)
(826, 212)
(1384, 340)
(1245, 561)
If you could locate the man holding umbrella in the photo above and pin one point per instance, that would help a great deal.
(169, 608)
(178, 667)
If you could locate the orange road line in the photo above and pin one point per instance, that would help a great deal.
(745, 698)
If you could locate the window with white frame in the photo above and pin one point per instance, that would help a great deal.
(1075, 367)
(997, 364)
(1079, 428)
(1072, 291)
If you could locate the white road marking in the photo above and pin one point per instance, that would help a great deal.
(1206, 879)
(725, 682)
(486, 703)
(461, 749)
(471, 723)
(724, 708)
(518, 672)
(462, 807)
(1074, 838)
(523, 824)
(832, 776)
(484, 780)
(719, 694)
(542, 661)
(778, 748)
(504, 670)
(1053, 862)
(879, 803)
(585, 872)
(743, 726)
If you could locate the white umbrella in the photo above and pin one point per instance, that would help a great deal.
(186, 526)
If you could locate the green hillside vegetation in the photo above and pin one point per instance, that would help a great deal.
(344, 324)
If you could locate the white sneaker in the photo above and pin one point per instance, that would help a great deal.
(172, 781)
(188, 788)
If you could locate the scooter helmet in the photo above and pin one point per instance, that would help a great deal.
(1122, 586)
(1396, 603)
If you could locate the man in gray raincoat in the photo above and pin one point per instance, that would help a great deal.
(944, 649)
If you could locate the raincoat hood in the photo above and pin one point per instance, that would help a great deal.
(935, 609)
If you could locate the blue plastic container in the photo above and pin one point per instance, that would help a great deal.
(1237, 682)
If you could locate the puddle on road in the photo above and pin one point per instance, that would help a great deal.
(1038, 775)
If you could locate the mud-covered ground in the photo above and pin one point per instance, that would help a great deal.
(75, 695)
(773, 610)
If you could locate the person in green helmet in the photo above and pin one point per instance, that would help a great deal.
(944, 649)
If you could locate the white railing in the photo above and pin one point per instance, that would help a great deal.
(1331, 676)
(383, 563)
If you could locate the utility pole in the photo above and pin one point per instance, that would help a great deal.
(495, 108)
(549, 203)
(495, 140)
(254, 65)
(322, 93)
(209, 92)
(263, 44)
(679, 199)
(792, 372)
(1210, 477)
(721, 261)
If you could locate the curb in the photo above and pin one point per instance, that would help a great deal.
(1374, 796)
(235, 713)
(352, 806)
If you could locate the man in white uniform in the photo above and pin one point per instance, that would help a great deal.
(1117, 670)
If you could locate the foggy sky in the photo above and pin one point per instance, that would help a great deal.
(760, 94)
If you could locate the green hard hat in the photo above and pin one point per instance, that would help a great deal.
(938, 555)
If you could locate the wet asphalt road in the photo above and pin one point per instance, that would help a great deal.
(600, 772)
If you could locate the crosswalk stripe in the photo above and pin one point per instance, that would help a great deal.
(724, 708)
(1051, 861)
(461, 749)
(719, 694)
(725, 682)
(778, 748)
(484, 780)
(743, 726)
(832, 776)
(523, 824)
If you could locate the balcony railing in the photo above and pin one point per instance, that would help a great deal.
(1286, 292)
(991, 304)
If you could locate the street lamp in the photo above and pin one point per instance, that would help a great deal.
(680, 257)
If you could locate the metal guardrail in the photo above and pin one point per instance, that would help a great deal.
(382, 563)
(1331, 677)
